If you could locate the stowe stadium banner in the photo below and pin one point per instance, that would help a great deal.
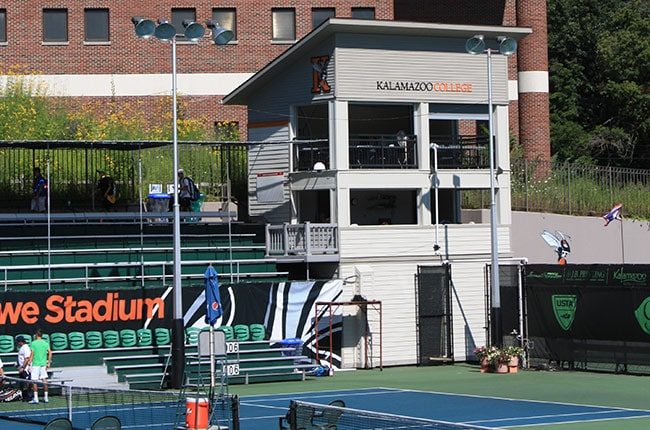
(286, 309)
(597, 313)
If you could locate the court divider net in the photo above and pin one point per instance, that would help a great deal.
(303, 415)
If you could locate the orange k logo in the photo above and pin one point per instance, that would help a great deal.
(319, 74)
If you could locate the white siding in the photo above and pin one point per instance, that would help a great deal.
(394, 253)
(359, 70)
(265, 158)
(456, 241)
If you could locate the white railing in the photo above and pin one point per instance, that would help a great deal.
(302, 239)
(85, 272)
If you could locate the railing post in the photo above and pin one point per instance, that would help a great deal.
(267, 238)
(526, 183)
(611, 189)
(6, 280)
(86, 270)
(285, 234)
(568, 173)
(307, 238)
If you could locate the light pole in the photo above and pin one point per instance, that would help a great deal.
(166, 32)
(507, 46)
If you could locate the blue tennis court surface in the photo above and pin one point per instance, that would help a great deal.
(262, 412)
(153, 416)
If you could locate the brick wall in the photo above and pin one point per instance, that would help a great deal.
(127, 54)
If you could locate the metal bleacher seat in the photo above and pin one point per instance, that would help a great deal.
(257, 331)
(242, 333)
(145, 337)
(228, 331)
(59, 341)
(111, 338)
(128, 337)
(76, 340)
(162, 336)
(94, 339)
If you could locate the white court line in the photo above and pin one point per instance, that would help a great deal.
(578, 421)
(533, 417)
(548, 402)
(324, 391)
(312, 396)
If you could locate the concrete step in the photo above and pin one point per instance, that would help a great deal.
(90, 376)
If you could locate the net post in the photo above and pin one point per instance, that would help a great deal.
(293, 410)
(235, 412)
(69, 392)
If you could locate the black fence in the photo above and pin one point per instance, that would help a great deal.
(592, 317)
(72, 168)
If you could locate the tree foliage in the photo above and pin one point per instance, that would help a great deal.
(599, 66)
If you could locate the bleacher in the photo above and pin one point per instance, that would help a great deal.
(86, 256)
(119, 256)
(141, 358)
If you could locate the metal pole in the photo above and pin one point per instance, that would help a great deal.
(141, 223)
(49, 223)
(495, 310)
(436, 245)
(178, 338)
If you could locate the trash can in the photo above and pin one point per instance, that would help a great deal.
(295, 343)
(158, 202)
(196, 206)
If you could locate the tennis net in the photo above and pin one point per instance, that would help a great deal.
(311, 415)
(153, 410)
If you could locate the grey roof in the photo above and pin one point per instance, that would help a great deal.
(361, 26)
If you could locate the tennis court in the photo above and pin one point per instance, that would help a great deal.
(262, 412)
(460, 394)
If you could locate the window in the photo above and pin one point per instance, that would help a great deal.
(96, 25)
(55, 25)
(227, 18)
(3, 25)
(363, 12)
(178, 16)
(284, 24)
(320, 15)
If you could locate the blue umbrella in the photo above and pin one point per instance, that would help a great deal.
(212, 297)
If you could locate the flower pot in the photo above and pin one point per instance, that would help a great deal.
(513, 365)
(485, 365)
(501, 368)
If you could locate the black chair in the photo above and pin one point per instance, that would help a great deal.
(330, 417)
(58, 424)
(108, 422)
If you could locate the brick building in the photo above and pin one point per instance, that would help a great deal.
(87, 49)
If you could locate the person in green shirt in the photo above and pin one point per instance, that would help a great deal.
(40, 360)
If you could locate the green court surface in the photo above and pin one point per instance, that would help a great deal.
(565, 387)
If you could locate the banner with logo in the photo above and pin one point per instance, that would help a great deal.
(597, 313)
(286, 309)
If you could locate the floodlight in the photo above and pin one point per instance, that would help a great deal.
(220, 35)
(165, 30)
(475, 45)
(507, 46)
(319, 166)
(144, 28)
(193, 30)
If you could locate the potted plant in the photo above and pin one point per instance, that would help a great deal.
(513, 352)
(481, 354)
(498, 359)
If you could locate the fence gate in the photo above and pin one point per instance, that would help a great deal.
(433, 312)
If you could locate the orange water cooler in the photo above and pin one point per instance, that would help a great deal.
(197, 413)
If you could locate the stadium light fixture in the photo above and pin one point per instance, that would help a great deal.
(165, 31)
(507, 46)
